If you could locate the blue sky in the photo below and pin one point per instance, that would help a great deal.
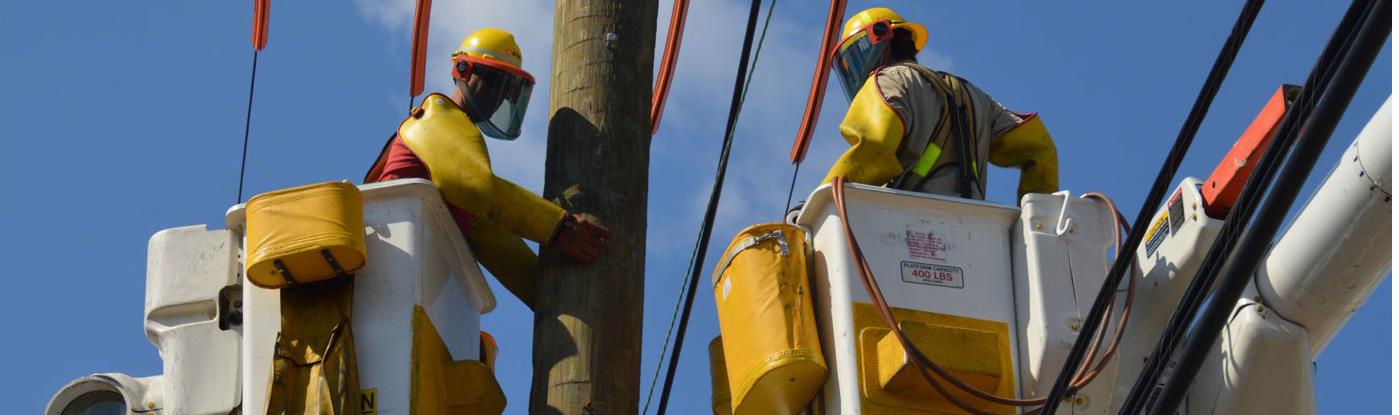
(124, 118)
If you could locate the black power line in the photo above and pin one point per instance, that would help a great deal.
(1239, 268)
(1237, 219)
(707, 225)
(1158, 192)
(247, 122)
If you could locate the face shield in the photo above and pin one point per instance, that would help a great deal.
(859, 53)
(496, 93)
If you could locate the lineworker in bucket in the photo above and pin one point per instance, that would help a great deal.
(441, 140)
(914, 128)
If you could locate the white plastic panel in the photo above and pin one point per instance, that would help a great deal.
(185, 270)
(1335, 253)
(1171, 252)
(1261, 365)
(970, 239)
(1057, 278)
(416, 256)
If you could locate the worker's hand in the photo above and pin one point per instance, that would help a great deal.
(579, 238)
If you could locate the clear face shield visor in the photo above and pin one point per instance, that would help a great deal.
(497, 95)
(860, 53)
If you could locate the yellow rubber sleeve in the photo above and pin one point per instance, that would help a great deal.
(874, 132)
(449, 143)
(507, 258)
(1029, 147)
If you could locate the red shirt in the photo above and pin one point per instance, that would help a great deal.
(401, 163)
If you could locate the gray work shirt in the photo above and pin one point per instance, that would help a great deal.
(919, 104)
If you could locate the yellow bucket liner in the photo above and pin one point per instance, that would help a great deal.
(304, 234)
(770, 344)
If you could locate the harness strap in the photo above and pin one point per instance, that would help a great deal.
(957, 120)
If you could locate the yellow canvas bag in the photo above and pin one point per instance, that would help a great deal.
(770, 345)
(304, 234)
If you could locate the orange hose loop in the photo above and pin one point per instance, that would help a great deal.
(669, 57)
(260, 10)
(421, 17)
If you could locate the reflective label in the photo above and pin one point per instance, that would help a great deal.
(931, 274)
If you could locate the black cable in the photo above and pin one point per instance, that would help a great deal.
(1315, 132)
(1158, 192)
(791, 188)
(707, 225)
(1236, 221)
(247, 122)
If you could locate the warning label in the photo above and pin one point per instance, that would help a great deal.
(931, 274)
(1156, 235)
(925, 245)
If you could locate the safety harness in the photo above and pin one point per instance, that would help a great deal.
(957, 121)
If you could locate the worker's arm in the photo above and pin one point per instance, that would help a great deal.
(874, 132)
(1028, 146)
(507, 258)
(452, 147)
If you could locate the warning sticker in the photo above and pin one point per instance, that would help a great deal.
(1155, 235)
(369, 401)
(931, 274)
(925, 245)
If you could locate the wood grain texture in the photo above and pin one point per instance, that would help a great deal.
(587, 327)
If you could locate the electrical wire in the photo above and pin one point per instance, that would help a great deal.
(741, 83)
(1158, 190)
(1190, 300)
(247, 125)
(1236, 251)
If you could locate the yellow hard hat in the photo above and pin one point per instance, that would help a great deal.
(491, 59)
(869, 16)
(492, 43)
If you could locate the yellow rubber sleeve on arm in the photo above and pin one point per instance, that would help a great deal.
(1029, 147)
(449, 143)
(874, 132)
(507, 258)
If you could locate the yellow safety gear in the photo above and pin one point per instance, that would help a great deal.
(1029, 148)
(771, 347)
(871, 15)
(443, 386)
(865, 43)
(487, 69)
(491, 43)
(447, 140)
(304, 234)
(314, 369)
(956, 127)
(874, 132)
(507, 258)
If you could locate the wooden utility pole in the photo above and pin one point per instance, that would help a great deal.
(587, 322)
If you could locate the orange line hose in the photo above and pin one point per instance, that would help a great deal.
(421, 17)
(669, 57)
(818, 81)
(260, 10)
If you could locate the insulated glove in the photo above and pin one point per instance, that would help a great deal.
(579, 238)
